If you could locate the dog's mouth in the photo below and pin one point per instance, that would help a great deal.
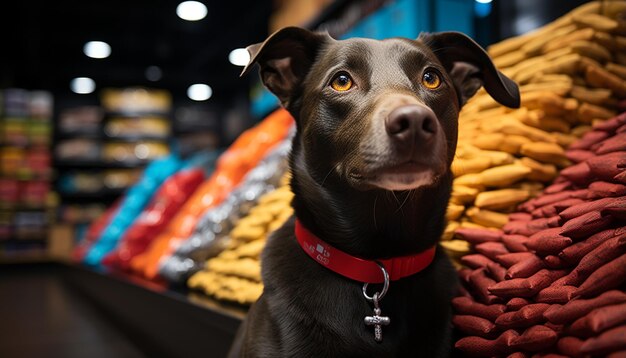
(407, 175)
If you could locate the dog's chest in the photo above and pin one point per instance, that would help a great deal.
(315, 304)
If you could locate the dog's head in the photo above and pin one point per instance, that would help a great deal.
(378, 114)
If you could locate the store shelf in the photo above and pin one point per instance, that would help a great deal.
(78, 135)
(135, 114)
(98, 164)
(100, 194)
(135, 138)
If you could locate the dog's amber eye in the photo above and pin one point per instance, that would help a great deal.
(431, 80)
(342, 82)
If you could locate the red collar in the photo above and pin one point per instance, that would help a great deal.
(359, 269)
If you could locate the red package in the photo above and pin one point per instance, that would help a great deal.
(602, 254)
(605, 278)
(584, 208)
(515, 243)
(613, 144)
(607, 166)
(491, 249)
(166, 202)
(556, 197)
(467, 306)
(554, 209)
(475, 261)
(556, 294)
(557, 187)
(520, 217)
(516, 303)
(599, 320)
(530, 227)
(548, 242)
(535, 339)
(525, 268)
(473, 325)
(508, 260)
(586, 225)
(613, 340)
(555, 262)
(480, 282)
(610, 125)
(573, 254)
(496, 271)
(579, 155)
(579, 173)
(478, 236)
(570, 346)
(481, 347)
(525, 287)
(588, 139)
(526, 316)
(575, 309)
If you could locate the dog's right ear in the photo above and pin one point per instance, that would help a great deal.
(285, 58)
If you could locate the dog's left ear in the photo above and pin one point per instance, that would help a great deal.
(471, 67)
(285, 58)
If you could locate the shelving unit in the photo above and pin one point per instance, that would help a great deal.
(26, 202)
(121, 135)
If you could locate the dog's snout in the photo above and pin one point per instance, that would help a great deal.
(411, 122)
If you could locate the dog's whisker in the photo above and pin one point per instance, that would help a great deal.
(328, 174)
(404, 202)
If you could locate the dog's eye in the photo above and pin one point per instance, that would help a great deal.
(431, 80)
(341, 82)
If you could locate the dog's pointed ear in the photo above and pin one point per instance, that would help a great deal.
(471, 67)
(285, 58)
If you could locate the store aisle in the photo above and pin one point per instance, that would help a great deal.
(41, 317)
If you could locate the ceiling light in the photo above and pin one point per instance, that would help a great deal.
(239, 57)
(82, 85)
(191, 10)
(484, 1)
(97, 49)
(154, 73)
(199, 92)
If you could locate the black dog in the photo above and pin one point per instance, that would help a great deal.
(376, 134)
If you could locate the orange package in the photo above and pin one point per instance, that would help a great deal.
(243, 155)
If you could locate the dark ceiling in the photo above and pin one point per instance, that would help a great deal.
(42, 41)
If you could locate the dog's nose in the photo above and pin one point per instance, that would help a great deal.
(411, 122)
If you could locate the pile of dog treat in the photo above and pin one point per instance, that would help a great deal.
(571, 73)
(552, 279)
(235, 274)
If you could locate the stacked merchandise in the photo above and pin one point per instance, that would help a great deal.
(235, 274)
(243, 155)
(163, 206)
(571, 73)
(130, 208)
(101, 152)
(211, 234)
(552, 280)
(137, 126)
(25, 169)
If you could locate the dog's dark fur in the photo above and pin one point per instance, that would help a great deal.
(365, 189)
